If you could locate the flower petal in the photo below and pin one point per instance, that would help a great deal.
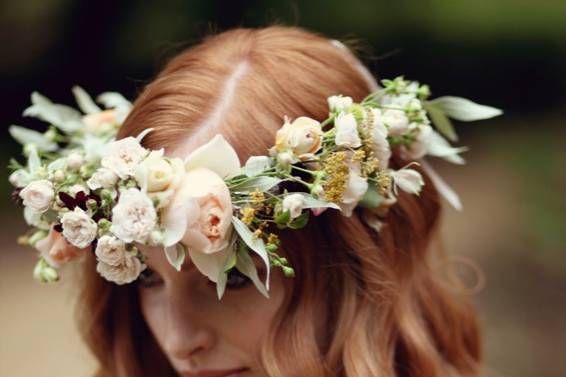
(217, 155)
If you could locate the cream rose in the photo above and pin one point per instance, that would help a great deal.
(303, 137)
(38, 195)
(55, 249)
(78, 228)
(123, 273)
(134, 217)
(347, 131)
(102, 178)
(122, 156)
(110, 250)
(200, 213)
(294, 204)
(154, 173)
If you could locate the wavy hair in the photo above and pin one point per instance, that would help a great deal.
(388, 309)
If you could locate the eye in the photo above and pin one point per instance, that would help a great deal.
(149, 278)
(236, 279)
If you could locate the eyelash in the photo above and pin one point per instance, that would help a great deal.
(236, 280)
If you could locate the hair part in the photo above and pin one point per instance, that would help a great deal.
(388, 312)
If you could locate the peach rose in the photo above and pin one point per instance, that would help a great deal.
(57, 250)
(95, 122)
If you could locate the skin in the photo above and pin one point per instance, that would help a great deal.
(196, 331)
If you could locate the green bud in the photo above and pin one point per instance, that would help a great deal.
(51, 134)
(37, 236)
(44, 272)
(91, 204)
(104, 225)
(282, 217)
(288, 271)
(271, 247)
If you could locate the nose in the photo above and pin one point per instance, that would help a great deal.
(188, 333)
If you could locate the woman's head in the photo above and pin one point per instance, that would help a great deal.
(361, 304)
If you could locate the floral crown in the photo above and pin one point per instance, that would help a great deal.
(84, 191)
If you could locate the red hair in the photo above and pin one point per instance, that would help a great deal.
(387, 310)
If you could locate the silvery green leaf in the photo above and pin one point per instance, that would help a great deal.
(143, 134)
(113, 100)
(35, 219)
(441, 122)
(176, 255)
(372, 198)
(463, 109)
(256, 165)
(256, 244)
(246, 266)
(58, 164)
(439, 147)
(311, 202)
(223, 274)
(259, 183)
(63, 117)
(26, 136)
(84, 100)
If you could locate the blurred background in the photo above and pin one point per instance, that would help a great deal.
(506, 53)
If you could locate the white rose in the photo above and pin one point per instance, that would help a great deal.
(38, 195)
(397, 121)
(347, 131)
(123, 155)
(125, 272)
(355, 190)
(102, 178)
(78, 228)
(74, 161)
(294, 203)
(154, 173)
(134, 217)
(339, 103)
(110, 250)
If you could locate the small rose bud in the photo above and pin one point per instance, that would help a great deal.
(284, 159)
(75, 161)
(59, 176)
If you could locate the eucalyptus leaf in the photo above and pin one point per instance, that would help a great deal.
(372, 198)
(246, 266)
(112, 100)
(84, 100)
(463, 109)
(439, 147)
(34, 163)
(255, 165)
(300, 221)
(261, 183)
(221, 284)
(256, 244)
(176, 255)
(441, 122)
(26, 136)
(63, 117)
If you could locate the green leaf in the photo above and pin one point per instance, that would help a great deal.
(176, 255)
(246, 266)
(259, 183)
(372, 198)
(26, 136)
(230, 262)
(300, 221)
(441, 121)
(85, 102)
(282, 217)
(256, 244)
(463, 109)
(312, 202)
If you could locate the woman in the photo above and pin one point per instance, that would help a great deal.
(360, 304)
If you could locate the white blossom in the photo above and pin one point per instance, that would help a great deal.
(125, 272)
(347, 131)
(339, 103)
(294, 204)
